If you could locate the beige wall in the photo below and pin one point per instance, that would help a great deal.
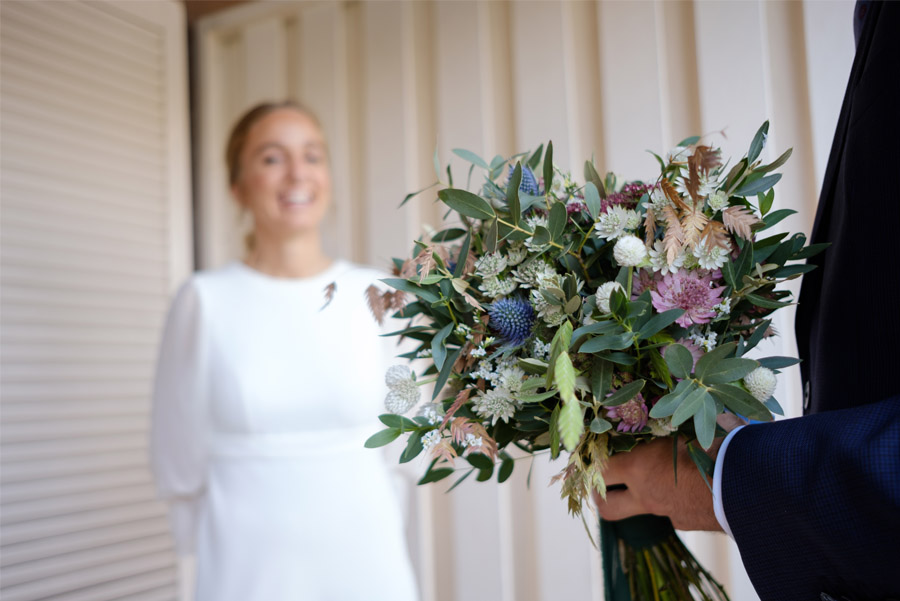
(392, 81)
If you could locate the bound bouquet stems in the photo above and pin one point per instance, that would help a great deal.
(644, 560)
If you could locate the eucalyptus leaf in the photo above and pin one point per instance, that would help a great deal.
(658, 323)
(608, 342)
(413, 448)
(691, 404)
(438, 349)
(710, 360)
(741, 402)
(536, 398)
(592, 200)
(406, 286)
(468, 155)
(445, 372)
(810, 251)
(392, 420)
(541, 236)
(667, 405)
(435, 475)
(776, 163)
(463, 255)
(449, 234)
(758, 143)
(760, 185)
(624, 394)
(767, 303)
(480, 461)
(778, 362)
(557, 221)
(379, 439)
(492, 237)
(466, 203)
(679, 360)
(775, 217)
(705, 421)
(728, 370)
(512, 195)
(601, 377)
(600, 425)
(548, 167)
(592, 177)
(506, 468)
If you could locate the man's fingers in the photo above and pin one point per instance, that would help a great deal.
(619, 504)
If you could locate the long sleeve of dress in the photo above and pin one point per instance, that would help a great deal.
(180, 415)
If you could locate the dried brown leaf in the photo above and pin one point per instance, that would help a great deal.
(715, 235)
(461, 398)
(693, 222)
(739, 220)
(649, 227)
(674, 238)
(463, 426)
(672, 194)
(329, 294)
(376, 301)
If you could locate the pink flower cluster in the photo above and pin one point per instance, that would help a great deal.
(688, 290)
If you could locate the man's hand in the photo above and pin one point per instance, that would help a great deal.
(648, 472)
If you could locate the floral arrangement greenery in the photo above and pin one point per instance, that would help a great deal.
(589, 318)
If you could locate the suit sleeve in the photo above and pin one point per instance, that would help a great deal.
(814, 503)
(180, 415)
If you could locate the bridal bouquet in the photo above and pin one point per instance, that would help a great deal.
(590, 318)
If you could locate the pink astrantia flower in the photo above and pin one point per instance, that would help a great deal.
(633, 415)
(690, 291)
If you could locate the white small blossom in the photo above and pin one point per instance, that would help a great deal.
(535, 220)
(485, 371)
(718, 200)
(723, 308)
(432, 413)
(496, 287)
(516, 253)
(710, 258)
(472, 441)
(604, 292)
(541, 349)
(489, 340)
(659, 261)
(425, 353)
(658, 202)
(761, 383)
(431, 439)
(491, 264)
(629, 251)
(707, 342)
(495, 404)
(404, 393)
(616, 222)
(530, 275)
(478, 352)
(463, 330)
(512, 377)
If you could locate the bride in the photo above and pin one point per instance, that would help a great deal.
(269, 380)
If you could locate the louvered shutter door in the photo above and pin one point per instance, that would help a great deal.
(95, 221)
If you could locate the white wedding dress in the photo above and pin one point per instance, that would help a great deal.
(265, 393)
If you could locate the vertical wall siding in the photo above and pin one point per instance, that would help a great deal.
(393, 81)
(94, 237)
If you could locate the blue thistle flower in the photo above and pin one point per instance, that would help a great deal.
(512, 319)
(529, 184)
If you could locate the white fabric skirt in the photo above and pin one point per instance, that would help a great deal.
(301, 517)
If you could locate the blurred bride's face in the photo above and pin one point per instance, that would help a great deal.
(284, 178)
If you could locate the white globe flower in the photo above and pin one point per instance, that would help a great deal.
(604, 292)
(629, 251)
(404, 393)
(396, 374)
(761, 383)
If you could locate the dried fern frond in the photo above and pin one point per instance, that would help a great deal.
(672, 194)
(649, 227)
(376, 302)
(461, 398)
(740, 220)
(715, 235)
(692, 222)
(674, 237)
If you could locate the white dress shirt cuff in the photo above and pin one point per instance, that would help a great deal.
(717, 482)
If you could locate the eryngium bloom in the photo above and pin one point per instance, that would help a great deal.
(512, 319)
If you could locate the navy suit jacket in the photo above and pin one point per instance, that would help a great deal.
(814, 502)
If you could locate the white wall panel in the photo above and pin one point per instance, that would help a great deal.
(94, 236)
(613, 79)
